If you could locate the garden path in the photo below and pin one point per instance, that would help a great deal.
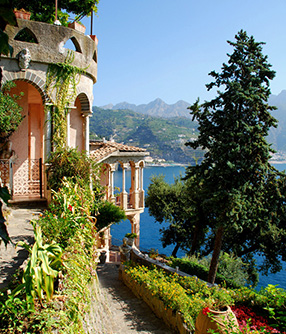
(122, 311)
(115, 309)
(19, 229)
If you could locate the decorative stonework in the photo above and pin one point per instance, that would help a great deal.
(24, 58)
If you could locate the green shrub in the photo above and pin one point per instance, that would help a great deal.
(187, 295)
(71, 210)
(69, 163)
(108, 213)
(231, 271)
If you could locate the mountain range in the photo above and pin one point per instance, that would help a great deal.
(158, 108)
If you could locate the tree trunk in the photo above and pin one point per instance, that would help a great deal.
(216, 253)
(174, 253)
(195, 239)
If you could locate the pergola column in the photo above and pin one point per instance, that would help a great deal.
(136, 186)
(141, 189)
(111, 182)
(135, 227)
(124, 194)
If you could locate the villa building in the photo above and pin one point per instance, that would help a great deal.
(37, 46)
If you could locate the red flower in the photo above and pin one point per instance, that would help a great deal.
(70, 208)
(206, 310)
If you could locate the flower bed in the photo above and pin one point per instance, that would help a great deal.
(187, 296)
(247, 317)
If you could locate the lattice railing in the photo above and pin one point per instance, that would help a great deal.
(23, 177)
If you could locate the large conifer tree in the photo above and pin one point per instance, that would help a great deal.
(241, 190)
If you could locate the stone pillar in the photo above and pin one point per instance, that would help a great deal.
(135, 227)
(124, 194)
(86, 116)
(48, 130)
(111, 182)
(141, 189)
(136, 186)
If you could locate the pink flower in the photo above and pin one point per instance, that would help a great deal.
(206, 310)
(70, 208)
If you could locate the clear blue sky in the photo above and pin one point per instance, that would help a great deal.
(163, 48)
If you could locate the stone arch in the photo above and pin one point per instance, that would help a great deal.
(26, 35)
(75, 43)
(30, 78)
(84, 102)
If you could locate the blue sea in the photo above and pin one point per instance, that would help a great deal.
(149, 229)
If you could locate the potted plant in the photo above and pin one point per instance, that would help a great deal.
(217, 314)
(22, 14)
(130, 237)
(78, 26)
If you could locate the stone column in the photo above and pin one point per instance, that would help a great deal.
(86, 116)
(135, 227)
(111, 182)
(124, 194)
(48, 130)
(136, 186)
(141, 189)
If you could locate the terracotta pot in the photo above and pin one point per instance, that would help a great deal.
(94, 38)
(22, 14)
(77, 26)
(216, 320)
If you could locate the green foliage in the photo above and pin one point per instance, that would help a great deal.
(70, 163)
(60, 307)
(7, 16)
(190, 295)
(231, 270)
(71, 211)
(15, 316)
(61, 82)
(10, 111)
(44, 10)
(41, 270)
(178, 204)
(241, 191)
(269, 301)
(131, 235)
(187, 295)
(108, 213)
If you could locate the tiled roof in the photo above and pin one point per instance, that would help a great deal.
(100, 150)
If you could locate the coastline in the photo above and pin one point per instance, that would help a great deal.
(278, 162)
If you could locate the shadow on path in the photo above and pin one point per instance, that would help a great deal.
(129, 314)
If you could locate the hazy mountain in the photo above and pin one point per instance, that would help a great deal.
(277, 136)
(155, 108)
(158, 108)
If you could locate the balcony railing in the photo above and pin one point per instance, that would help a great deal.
(131, 201)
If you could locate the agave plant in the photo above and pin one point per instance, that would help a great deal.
(42, 268)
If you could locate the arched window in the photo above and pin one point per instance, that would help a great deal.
(73, 44)
(26, 35)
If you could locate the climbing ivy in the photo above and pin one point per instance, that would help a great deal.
(61, 82)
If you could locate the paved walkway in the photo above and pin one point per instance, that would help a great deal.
(123, 313)
(19, 228)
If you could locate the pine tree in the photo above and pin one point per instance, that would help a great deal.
(236, 174)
